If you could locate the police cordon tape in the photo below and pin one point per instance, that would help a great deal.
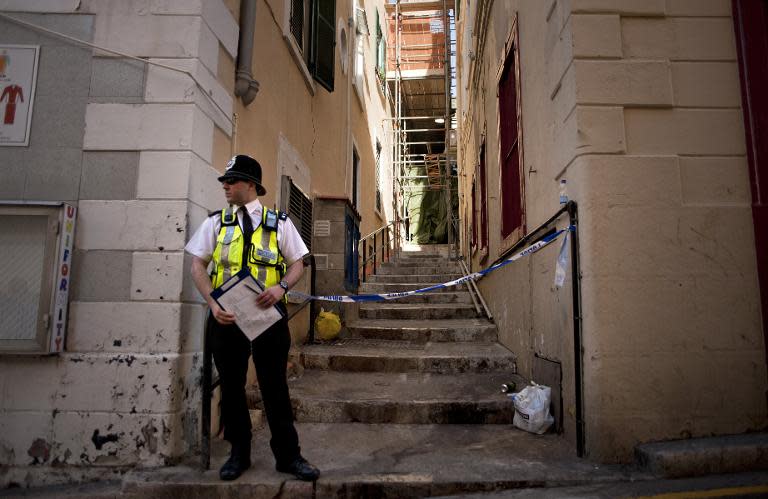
(541, 243)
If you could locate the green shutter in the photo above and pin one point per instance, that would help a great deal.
(323, 42)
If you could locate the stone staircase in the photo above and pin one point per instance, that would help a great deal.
(426, 359)
(405, 404)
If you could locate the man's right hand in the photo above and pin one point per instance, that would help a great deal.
(221, 315)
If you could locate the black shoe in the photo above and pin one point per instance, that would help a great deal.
(239, 461)
(301, 469)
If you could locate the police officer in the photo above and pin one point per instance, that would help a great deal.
(273, 248)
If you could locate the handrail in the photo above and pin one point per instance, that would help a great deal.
(476, 291)
(208, 383)
(390, 241)
(393, 222)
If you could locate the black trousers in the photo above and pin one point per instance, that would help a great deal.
(231, 350)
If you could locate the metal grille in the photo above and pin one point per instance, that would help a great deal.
(23, 238)
(300, 211)
(297, 22)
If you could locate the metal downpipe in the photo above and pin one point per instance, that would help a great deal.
(246, 87)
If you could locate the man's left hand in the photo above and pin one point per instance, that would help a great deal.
(270, 296)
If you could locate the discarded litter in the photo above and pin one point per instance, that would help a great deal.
(508, 387)
(327, 325)
(532, 408)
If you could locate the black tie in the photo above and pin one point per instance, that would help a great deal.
(248, 233)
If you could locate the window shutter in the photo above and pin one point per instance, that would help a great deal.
(323, 42)
(509, 138)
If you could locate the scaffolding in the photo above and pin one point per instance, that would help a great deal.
(421, 77)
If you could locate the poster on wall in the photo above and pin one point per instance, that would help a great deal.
(18, 77)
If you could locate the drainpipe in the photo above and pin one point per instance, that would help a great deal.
(246, 87)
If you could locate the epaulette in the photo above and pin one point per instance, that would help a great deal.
(214, 213)
(282, 215)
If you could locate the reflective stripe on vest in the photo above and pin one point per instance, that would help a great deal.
(264, 260)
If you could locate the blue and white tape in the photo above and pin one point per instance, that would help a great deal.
(541, 243)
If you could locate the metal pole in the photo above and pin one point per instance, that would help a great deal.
(578, 348)
(205, 431)
(312, 307)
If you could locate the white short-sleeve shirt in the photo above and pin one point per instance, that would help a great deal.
(203, 241)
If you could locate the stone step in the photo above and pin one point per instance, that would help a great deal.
(422, 331)
(424, 254)
(396, 287)
(363, 355)
(409, 278)
(388, 269)
(426, 248)
(384, 310)
(402, 398)
(424, 261)
(444, 297)
(387, 461)
(705, 456)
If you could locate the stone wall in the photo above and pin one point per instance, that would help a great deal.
(637, 105)
(131, 145)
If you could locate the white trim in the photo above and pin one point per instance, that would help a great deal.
(290, 163)
(341, 30)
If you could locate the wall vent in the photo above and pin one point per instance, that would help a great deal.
(322, 228)
(321, 261)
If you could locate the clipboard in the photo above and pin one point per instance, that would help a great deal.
(238, 295)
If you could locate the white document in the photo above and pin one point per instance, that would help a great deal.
(238, 295)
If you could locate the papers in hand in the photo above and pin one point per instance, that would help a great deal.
(238, 295)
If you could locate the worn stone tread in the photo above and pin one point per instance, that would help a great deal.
(373, 460)
(361, 355)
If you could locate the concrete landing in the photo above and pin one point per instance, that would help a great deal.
(358, 460)
(403, 398)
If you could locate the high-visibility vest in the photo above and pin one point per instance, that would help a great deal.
(264, 258)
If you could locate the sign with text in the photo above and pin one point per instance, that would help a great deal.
(18, 77)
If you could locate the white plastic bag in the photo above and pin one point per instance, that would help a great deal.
(532, 408)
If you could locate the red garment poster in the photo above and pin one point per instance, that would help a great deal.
(18, 76)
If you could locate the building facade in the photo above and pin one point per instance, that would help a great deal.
(138, 107)
(638, 106)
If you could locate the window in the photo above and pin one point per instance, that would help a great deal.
(299, 23)
(311, 28)
(378, 176)
(381, 52)
(34, 302)
(361, 32)
(510, 138)
(298, 206)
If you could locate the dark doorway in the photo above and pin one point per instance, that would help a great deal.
(750, 19)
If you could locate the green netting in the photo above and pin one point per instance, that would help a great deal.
(427, 210)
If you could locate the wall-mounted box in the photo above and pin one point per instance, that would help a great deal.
(36, 242)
